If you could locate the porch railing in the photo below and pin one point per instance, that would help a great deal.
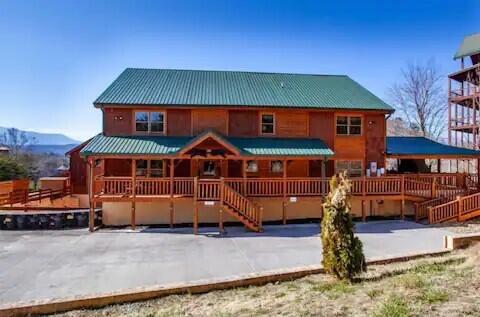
(209, 189)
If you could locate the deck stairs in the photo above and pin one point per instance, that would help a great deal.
(242, 208)
(460, 207)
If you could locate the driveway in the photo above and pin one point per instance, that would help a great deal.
(36, 265)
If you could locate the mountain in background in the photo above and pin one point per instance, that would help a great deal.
(55, 143)
(47, 138)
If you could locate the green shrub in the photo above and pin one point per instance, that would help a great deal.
(10, 170)
(342, 251)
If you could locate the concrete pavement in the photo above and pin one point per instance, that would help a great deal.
(38, 265)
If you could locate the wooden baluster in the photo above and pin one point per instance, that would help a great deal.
(195, 205)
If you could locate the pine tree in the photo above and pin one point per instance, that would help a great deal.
(342, 251)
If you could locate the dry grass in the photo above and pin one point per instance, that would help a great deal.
(471, 226)
(447, 285)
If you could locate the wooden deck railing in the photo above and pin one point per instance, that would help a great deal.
(25, 196)
(209, 189)
(243, 206)
(460, 209)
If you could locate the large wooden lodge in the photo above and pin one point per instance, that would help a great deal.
(195, 147)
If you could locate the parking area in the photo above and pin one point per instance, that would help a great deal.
(37, 265)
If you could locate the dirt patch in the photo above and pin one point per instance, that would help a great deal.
(446, 285)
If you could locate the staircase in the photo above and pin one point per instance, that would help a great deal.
(459, 209)
(246, 211)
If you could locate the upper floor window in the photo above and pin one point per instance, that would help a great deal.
(150, 121)
(267, 123)
(353, 168)
(349, 125)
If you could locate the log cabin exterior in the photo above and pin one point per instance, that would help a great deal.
(184, 146)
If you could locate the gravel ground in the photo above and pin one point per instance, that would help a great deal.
(472, 226)
(442, 286)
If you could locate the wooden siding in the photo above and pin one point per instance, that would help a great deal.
(179, 122)
(291, 123)
(205, 119)
(78, 173)
(118, 167)
(322, 126)
(297, 169)
(117, 121)
(375, 131)
(349, 147)
(243, 123)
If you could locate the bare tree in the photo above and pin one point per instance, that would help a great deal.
(420, 98)
(17, 141)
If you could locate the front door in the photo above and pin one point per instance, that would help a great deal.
(209, 169)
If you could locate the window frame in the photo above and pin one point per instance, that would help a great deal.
(349, 162)
(274, 119)
(277, 172)
(148, 169)
(163, 113)
(348, 125)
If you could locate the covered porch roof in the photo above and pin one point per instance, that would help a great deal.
(412, 147)
(174, 146)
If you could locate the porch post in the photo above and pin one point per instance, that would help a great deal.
(284, 204)
(195, 205)
(134, 185)
(172, 210)
(91, 212)
(323, 175)
(244, 175)
(439, 166)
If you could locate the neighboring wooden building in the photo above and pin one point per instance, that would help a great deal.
(182, 146)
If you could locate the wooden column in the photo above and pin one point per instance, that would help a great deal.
(324, 176)
(439, 166)
(364, 192)
(172, 210)
(402, 206)
(244, 175)
(220, 212)
(195, 205)
(133, 194)
(284, 204)
(91, 212)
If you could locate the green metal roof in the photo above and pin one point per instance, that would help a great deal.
(281, 146)
(420, 146)
(133, 145)
(233, 88)
(168, 145)
(470, 46)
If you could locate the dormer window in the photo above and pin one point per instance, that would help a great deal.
(267, 124)
(149, 121)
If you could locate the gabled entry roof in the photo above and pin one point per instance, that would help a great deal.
(102, 145)
(421, 147)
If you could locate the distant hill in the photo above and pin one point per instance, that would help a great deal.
(50, 139)
(55, 149)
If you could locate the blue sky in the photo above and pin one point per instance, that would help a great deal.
(56, 57)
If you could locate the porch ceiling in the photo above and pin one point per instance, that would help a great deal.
(102, 145)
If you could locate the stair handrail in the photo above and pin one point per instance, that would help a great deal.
(257, 209)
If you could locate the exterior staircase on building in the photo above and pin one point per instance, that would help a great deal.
(461, 208)
(243, 209)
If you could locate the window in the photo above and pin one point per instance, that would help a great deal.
(209, 168)
(141, 121)
(353, 168)
(156, 168)
(349, 125)
(150, 122)
(252, 166)
(142, 168)
(156, 122)
(153, 168)
(276, 166)
(268, 124)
